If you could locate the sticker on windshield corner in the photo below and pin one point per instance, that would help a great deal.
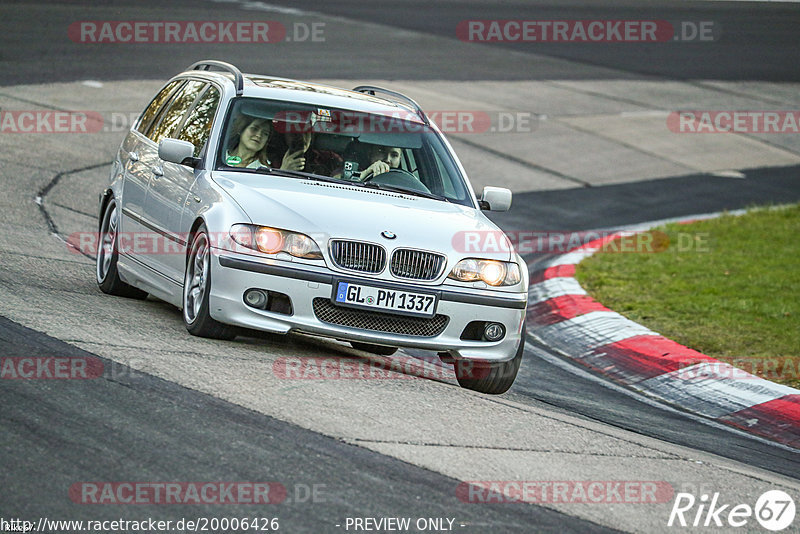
(323, 115)
(233, 160)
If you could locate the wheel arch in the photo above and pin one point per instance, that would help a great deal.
(105, 198)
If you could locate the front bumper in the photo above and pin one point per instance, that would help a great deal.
(232, 274)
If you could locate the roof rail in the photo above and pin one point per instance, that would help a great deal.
(206, 64)
(371, 90)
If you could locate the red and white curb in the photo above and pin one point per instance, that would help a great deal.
(562, 316)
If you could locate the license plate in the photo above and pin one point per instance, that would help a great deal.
(385, 299)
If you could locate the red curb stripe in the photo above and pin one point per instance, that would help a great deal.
(647, 356)
(641, 357)
(561, 308)
(556, 271)
(777, 419)
(597, 244)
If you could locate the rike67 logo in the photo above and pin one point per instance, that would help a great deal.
(774, 510)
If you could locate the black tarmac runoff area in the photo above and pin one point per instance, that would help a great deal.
(128, 426)
(59, 436)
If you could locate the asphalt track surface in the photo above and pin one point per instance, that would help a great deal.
(760, 42)
(132, 426)
(122, 426)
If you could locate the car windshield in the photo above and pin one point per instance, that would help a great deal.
(306, 141)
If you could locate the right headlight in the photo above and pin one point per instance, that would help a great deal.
(274, 240)
(493, 272)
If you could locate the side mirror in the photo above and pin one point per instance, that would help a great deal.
(495, 199)
(177, 151)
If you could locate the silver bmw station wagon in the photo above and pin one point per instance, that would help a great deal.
(265, 203)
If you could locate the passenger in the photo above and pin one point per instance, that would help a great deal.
(249, 142)
(299, 156)
(381, 159)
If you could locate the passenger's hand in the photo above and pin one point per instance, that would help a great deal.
(296, 161)
(375, 169)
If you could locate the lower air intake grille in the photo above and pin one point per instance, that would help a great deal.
(379, 322)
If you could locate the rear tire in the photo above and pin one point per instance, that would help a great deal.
(381, 350)
(106, 271)
(196, 290)
(493, 378)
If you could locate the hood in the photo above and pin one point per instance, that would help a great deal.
(326, 210)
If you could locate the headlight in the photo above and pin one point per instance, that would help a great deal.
(273, 240)
(493, 272)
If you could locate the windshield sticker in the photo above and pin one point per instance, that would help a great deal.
(233, 160)
(323, 115)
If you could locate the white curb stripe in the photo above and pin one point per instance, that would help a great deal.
(712, 389)
(707, 388)
(553, 287)
(580, 335)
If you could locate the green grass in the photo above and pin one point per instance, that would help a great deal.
(727, 287)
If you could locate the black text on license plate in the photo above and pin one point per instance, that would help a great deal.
(391, 300)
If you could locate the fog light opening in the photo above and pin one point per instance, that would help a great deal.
(256, 298)
(494, 332)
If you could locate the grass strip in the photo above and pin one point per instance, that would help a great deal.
(728, 287)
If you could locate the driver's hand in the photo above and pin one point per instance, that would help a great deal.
(295, 161)
(379, 167)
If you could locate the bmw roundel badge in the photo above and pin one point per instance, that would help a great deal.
(388, 235)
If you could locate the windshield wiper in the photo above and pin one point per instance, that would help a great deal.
(300, 174)
(397, 189)
(373, 185)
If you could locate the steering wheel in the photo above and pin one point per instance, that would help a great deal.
(399, 178)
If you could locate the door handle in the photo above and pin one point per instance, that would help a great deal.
(133, 156)
(158, 171)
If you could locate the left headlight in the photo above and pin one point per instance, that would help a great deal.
(493, 272)
(274, 240)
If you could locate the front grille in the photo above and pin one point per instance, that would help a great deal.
(358, 256)
(416, 264)
(327, 312)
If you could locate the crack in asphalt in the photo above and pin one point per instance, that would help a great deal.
(524, 163)
(48, 258)
(512, 449)
(73, 210)
(35, 103)
(647, 105)
(40, 201)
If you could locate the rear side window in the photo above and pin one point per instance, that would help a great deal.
(173, 116)
(198, 123)
(156, 104)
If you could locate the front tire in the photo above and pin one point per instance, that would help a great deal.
(196, 290)
(493, 378)
(106, 271)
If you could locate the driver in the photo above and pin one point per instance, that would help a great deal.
(382, 159)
